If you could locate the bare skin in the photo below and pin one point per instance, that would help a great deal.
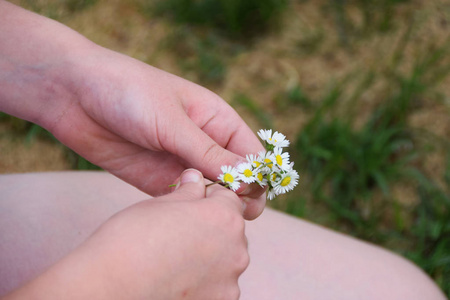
(146, 127)
(93, 237)
(141, 124)
(45, 216)
(191, 237)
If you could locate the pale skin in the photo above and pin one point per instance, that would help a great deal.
(139, 123)
(146, 127)
(202, 249)
(46, 216)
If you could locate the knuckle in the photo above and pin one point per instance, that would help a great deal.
(243, 262)
(228, 203)
(213, 206)
(189, 195)
(232, 293)
(223, 192)
(212, 153)
(242, 256)
(233, 199)
(236, 294)
(233, 220)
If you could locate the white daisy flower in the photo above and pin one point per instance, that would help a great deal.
(267, 159)
(273, 178)
(265, 135)
(281, 159)
(230, 177)
(270, 168)
(247, 172)
(260, 178)
(287, 182)
(276, 140)
(279, 140)
(254, 160)
(271, 194)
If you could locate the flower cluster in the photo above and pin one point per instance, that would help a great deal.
(270, 168)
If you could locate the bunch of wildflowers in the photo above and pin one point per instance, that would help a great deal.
(270, 168)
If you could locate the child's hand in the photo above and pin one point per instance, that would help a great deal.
(184, 245)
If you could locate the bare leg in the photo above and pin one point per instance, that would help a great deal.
(44, 216)
(294, 259)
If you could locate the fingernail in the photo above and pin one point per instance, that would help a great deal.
(245, 199)
(190, 175)
(248, 190)
(244, 205)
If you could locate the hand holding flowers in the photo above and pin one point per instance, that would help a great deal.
(270, 168)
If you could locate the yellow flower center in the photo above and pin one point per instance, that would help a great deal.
(260, 176)
(248, 173)
(286, 181)
(268, 162)
(279, 160)
(257, 163)
(274, 176)
(227, 177)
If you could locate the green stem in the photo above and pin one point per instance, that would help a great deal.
(215, 182)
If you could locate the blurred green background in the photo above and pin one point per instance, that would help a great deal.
(361, 88)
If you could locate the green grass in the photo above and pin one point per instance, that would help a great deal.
(254, 108)
(232, 18)
(30, 132)
(57, 10)
(349, 171)
(431, 233)
(350, 163)
(373, 17)
(203, 55)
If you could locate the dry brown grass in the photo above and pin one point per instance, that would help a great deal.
(282, 59)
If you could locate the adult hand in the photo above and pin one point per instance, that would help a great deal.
(140, 123)
(146, 126)
(189, 244)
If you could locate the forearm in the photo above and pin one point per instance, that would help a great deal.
(83, 274)
(37, 60)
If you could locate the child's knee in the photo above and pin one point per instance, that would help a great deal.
(395, 277)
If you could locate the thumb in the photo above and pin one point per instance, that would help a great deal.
(190, 186)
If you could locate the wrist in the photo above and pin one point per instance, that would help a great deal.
(37, 59)
(76, 276)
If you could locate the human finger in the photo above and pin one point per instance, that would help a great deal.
(254, 206)
(189, 186)
(217, 192)
(240, 139)
(219, 121)
(187, 141)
